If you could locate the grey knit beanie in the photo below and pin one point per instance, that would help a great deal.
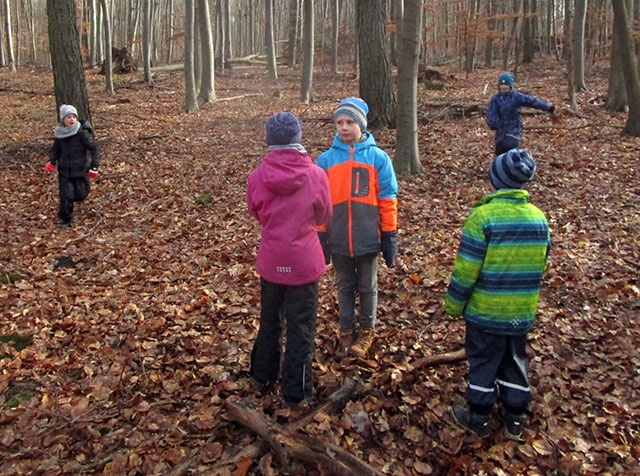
(67, 109)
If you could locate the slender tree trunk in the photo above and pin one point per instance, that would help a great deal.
(512, 36)
(9, 34)
(271, 47)
(32, 32)
(375, 73)
(292, 30)
(578, 44)
(621, 19)
(108, 61)
(66, 60)
(190, 96)
(335, 29)
(133, 30)
(571, 87)
(146, 41)
(207, 89)
(222, 36)
(306, 93)
(228, 47)
(170, 7)
(491, 26)
(407, 156)
(527, 33)
(617, 92)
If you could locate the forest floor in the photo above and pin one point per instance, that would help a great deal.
(126, 336)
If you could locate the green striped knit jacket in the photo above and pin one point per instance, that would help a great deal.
(502, 256)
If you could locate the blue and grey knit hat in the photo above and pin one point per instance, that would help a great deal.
(506, 78)
(513, 169)
(284, 128)
(67, 109)
(355, 108)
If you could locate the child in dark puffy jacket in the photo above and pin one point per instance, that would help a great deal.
(289, 195)
(503, 115)
(72, 140)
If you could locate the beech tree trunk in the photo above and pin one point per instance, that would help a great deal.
(190, 95)
(271, 47)
(207, 88)
(616, 92)
(146, 41)
(621, 20)
(578, 44)
(108, 61)
(66, 60)
(375, 74)
(407, 156)
(9, 34)
(308, 45)
(292, 30)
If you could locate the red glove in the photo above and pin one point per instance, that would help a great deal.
(93, 173)
(49, 168)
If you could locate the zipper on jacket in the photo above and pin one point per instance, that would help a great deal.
(352, 148)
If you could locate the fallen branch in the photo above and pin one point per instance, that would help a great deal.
(287, 444)
(240, 97)
(438, 359)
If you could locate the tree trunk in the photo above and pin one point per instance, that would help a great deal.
(9, 34)
(527, 33)
(32, 32)
(512, 37)
(616, 92)
(375, 74)
(66, 59)
(190, 96)
(632, 127)
(491, 26)
(578, 44)
(292, 30)
(133, 29)
(470, 45)
(271, 47)
(335, 30)
(207, 88)
(146, 41)
(407, 156)
(228, 49)
(308, 44)
(170, 7)
(571, 88)
(221, 36)
(108, 61)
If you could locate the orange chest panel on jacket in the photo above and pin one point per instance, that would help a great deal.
(353, 181)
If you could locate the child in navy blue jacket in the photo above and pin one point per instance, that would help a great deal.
(503, 115)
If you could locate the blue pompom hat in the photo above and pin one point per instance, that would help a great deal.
(506, 78)
(355, 108)
(284, 128)
(513, 169)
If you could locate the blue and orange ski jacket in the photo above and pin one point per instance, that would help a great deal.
(364, 195)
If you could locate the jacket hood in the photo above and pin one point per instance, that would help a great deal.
(509, 194)
(369, 141)
(284, 170)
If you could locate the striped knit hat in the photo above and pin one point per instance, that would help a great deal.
(355, 108)
(513, 169)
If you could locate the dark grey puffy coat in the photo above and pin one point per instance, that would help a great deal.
(70, 154)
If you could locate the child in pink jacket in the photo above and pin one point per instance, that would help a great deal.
(289, 195)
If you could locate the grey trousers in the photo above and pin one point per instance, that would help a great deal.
(357, 276)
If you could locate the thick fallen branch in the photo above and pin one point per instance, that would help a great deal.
(287, 444)
(438, 359)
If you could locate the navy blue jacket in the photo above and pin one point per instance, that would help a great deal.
(503, 115)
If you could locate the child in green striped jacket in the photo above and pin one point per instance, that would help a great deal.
(495, 286)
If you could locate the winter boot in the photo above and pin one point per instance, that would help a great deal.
(475, 422)
(364, 340)
(512, 424)
(345, 340)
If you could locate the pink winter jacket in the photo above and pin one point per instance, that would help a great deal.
(289, 195)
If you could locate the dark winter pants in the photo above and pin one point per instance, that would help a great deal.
(359, 274)
(498, 367)
(71, 190)
(297, 306)
(506, 143)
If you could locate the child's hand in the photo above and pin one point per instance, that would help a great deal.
(93, 173)
(49, 168)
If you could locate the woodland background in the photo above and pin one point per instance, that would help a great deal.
(125, 339)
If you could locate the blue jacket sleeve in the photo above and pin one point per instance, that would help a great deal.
(493, 121)
(535, 103)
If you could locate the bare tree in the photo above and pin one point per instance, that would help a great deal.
(294, 18)
(621, 20)
(207, 90)
(66, 61)
(170, 7)
(271, 47)
(616, 92)
(308, 44)
(335, 28)
(578, 44)
(108, 61)
(407, 156)
(375, 73)
(190, 96)
(9, 33)
(146, 40)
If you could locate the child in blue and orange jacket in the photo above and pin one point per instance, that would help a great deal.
(365, 220)
(289, 196)
(503, 115)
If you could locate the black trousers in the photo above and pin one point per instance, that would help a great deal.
(293, 307)
(71, 190)
(506, 144)
(498, 370)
